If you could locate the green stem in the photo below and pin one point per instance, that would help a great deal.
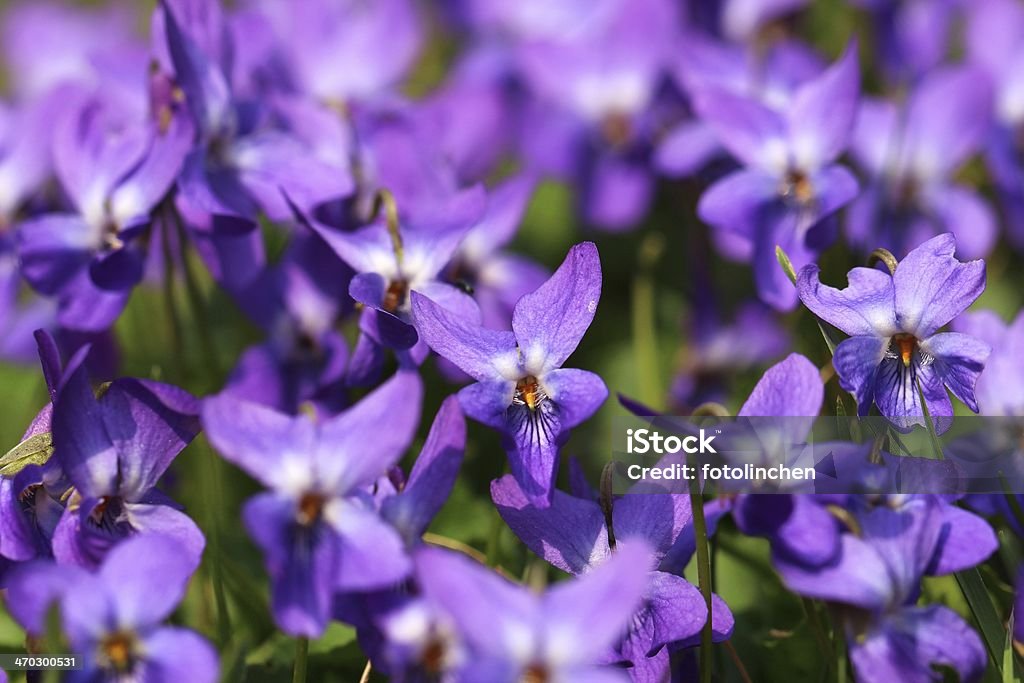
(215, 493)
(301, 660)
(700, 530)
(645, 338)
(177, 337)
(933, 436)
(195, 298)
(824, 646)
(494, 539)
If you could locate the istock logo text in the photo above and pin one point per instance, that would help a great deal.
(646, 441)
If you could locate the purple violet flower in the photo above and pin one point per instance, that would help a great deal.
(318, 527)
(515, 635)
(522, 389)
(875, 584)
(601, 87)
(343, 52)
(297, 302)
(116, 159)
(995, 43)
(113, 618)
(910, 158)
(895, 351)
(114, 448)
(573, 535)
(790, 181)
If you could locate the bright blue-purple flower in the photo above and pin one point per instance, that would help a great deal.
(910, 156)
(32, 501)
(522, 389)
(895, 351)
(393, 261)
(512, 634)
(875, 584)
(113, 618)
(798, 526)
(318, 527)
(114, 449)
(790, 181)
(394, 626)
(572, 534)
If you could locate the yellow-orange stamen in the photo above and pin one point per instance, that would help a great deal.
(311, 506)
(528, 391)
(906, 343)
(118, 650)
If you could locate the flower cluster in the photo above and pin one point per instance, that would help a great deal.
(266, 251)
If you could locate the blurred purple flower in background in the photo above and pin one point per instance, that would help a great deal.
(910, 157)
(790, 182)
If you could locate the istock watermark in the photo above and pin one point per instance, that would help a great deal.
(643, 441)
(815, 454)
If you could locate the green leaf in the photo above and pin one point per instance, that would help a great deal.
(978, 599)
(787, 265)
(830, 340)
(1008, 676)
(35, 450)
(336, 636)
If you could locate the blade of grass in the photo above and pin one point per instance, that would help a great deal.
(980, 603)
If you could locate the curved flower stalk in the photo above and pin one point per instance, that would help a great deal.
(318, 527)
(113, 618)
(522, 389)
(895, 353)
